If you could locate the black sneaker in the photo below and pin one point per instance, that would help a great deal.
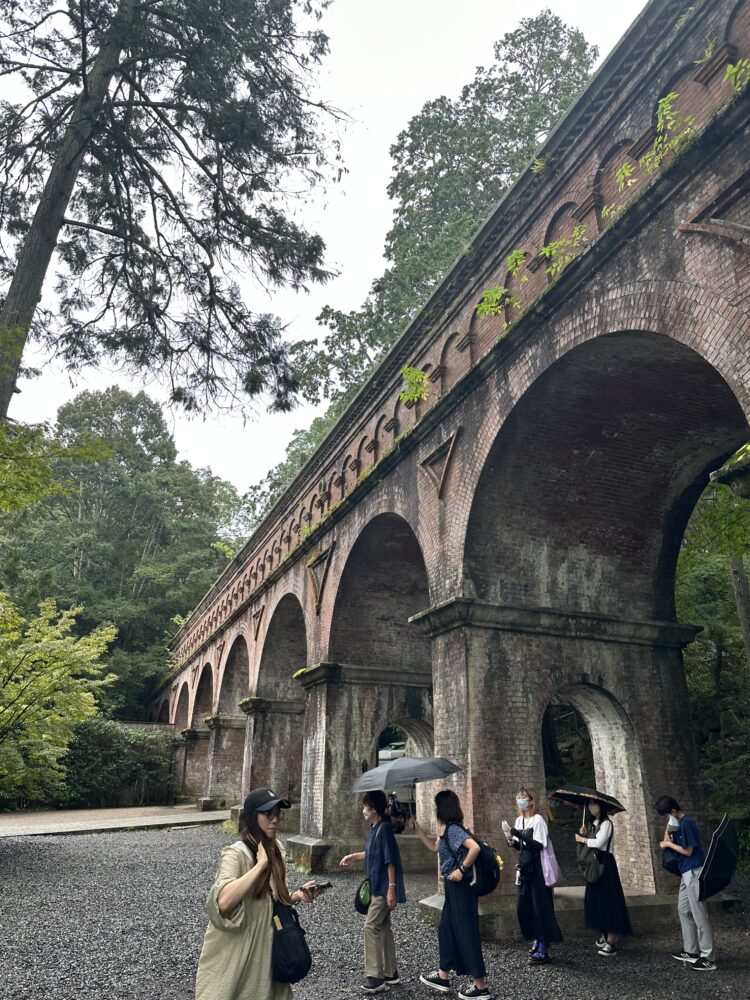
(534, 947)
(607, 950)
(702, 965)
(434, 981)
(686, 956)
(601, 942)
(474, 993)
(392, 980)
(373, 985)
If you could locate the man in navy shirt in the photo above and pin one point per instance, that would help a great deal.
(682, 837)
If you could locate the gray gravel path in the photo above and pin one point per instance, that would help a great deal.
(120, 916)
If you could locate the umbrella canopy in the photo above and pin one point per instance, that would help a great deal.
(405, 771)
(576, 795)
(721, 860)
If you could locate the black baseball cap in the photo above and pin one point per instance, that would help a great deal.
(262, 800)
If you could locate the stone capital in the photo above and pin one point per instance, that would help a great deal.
(355, 673)
(464, 612)
(268, 706)
(225, 722)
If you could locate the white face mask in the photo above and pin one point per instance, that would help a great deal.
(523, 804)
(367, 813)
(673, 823)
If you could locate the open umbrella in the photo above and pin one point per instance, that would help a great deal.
(403, 772)
(721, 860)
(576, 795)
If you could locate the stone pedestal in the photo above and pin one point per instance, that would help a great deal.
(495, 671)
(195, 769)
(273, 746)
(226, 754)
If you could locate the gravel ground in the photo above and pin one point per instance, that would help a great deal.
(121, 916)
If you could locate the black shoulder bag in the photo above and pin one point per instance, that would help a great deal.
(589, 864)
(290, 956)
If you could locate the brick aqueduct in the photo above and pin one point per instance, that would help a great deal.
(452, 566)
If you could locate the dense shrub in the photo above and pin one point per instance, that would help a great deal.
(108, 764)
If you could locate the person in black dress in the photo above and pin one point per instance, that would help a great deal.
(604, 905)
(536, 905)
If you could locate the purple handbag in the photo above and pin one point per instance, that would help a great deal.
(550, 867)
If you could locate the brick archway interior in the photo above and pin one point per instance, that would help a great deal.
(204, 698)
(163, 715)
(284, 651)
(235, 681)
(589, 485)
(617, 766)
(383, 584)
(181, 712)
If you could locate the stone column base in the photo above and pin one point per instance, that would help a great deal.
(319, 855)
(648, 914)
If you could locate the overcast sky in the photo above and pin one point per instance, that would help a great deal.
(386, 60)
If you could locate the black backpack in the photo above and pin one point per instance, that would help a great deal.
(485, 872)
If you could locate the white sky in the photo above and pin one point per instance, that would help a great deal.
(387, 59)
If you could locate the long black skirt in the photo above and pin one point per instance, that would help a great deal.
(536, 906)
(604, 905)
(458, 932)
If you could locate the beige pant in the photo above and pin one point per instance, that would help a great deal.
(380, 948)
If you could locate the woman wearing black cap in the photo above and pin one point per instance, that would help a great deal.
(235, 963)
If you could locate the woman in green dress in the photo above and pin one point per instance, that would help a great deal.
(235, 963)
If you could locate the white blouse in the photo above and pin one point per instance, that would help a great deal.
(603, 839)
(537, 824)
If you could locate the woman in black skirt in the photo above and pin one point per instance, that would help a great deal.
(458, 934)
(536, 903)
(604, 904)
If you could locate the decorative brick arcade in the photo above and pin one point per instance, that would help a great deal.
(453, 566)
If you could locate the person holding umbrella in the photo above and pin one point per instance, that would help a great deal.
(536, 904)
(697, 934)
(604, 902)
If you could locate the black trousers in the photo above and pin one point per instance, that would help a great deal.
(458, 933)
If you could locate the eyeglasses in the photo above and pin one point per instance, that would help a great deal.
(272, 814)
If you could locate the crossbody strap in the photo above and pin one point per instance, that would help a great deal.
(374, 841)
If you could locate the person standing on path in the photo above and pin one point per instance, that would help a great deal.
(235, 963)
(604, 904)
(459, 941)
(382, 860)
(697, 934)
(536, 903)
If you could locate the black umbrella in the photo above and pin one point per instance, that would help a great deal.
(576, 795)
(721, 860)
(405, 771)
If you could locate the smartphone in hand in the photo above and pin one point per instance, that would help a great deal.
(321, 886)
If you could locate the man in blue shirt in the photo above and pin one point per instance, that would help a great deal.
(682, 837)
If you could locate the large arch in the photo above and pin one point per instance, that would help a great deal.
(625, 429)
(384, 583)
(195, 776)
(379, 672)
(228, 726)
(569, 564)
(274, 743)
(182, 706)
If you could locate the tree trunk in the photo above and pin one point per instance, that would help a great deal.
(718, 667)
(35, 254)
(742, 599)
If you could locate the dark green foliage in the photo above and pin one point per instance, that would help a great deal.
(451, 165)
(132, 537)
(108, 764)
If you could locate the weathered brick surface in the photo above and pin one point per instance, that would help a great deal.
(545, 550)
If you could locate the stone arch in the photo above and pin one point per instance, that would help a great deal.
(162, 715)
(235, 677)
(275, 712)
(203, 700)
(383, 583)
(631, 408)
(618, 769)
